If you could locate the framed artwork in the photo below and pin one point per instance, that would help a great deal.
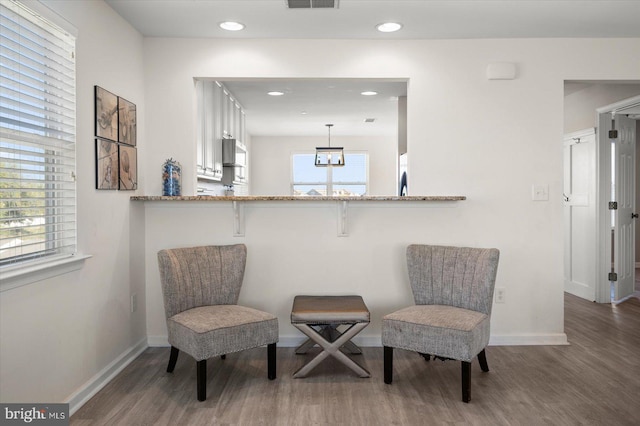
(128, 173)
(106, 104)
(126, 122)
(106, 164)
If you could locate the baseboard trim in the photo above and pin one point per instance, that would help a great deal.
(158, 341)
(528, 339)
(554, 339)
(495, 340)
(100, 380)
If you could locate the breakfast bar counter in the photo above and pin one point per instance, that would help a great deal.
(299, 198)
(342, 203)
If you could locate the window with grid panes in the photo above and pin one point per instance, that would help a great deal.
(348, 180)
(37, 138)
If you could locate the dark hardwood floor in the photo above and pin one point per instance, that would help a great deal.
(593, 381)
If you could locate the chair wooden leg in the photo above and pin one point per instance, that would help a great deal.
(388, 364)
(466, 381)
(271, 361)
(482, 358)
(201, 379)
(173, 358)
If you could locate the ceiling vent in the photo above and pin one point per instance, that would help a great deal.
(369, 120)
(312, 4)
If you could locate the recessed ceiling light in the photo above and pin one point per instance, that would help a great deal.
(275, 93)
(388, 27)
(231, 26)
(368, 93)
(304, 112)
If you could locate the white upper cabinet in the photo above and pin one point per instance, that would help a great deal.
(218, 117)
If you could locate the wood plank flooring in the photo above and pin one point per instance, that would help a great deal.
(593, 381)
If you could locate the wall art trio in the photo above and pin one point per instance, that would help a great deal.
(116, 153)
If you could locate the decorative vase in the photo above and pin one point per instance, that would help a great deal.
(171, 178)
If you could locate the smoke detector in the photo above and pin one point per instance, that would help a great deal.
(312, 4)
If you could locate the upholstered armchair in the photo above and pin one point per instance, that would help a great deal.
(201, 286)
(453, 293)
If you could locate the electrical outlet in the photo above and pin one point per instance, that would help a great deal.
(134, 302)
(500, 294)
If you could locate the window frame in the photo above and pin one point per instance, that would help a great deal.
(30, 267)
(329, 174)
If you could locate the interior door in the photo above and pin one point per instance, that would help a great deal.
(625, 184)
(580, 214)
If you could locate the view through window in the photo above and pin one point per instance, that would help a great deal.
(349, 180)
(37, 137)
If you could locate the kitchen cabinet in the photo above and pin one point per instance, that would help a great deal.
(209, 132)
(219, 117)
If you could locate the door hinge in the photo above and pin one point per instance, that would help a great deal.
(613, 205)
(613, 276)
(613, 133)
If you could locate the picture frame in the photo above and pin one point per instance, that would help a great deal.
(127, 122)
(128, 168)
(106, 165)
(106, 114)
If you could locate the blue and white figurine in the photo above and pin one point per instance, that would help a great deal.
(171, 178)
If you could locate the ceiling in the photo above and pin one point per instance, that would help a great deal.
(422, 19)
(307, 105)
(339, 101)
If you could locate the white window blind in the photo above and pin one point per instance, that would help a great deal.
(37, 137)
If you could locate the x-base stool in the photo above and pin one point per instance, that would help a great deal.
(318, 317)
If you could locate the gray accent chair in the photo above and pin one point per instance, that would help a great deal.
(453, 293)
(201, 286)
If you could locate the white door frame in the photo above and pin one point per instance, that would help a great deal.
(603, 191)
(579, 192)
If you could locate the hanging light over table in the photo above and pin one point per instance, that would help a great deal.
(328, 156)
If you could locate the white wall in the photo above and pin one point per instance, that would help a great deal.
(271, 161)
(488, 140)
(582, 99)
(61, 333)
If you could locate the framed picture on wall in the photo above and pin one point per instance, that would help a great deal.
(126, 122)
(106, 164)
(128, 173)
(106, 111)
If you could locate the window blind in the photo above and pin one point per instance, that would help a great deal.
(37, 137)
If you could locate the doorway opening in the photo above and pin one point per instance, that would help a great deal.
(598, 239)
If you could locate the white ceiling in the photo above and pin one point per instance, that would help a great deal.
(422, 19)
(336, 101)
(339, 101)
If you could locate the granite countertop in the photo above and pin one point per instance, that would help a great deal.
(298, 198)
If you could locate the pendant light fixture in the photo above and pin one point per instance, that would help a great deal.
(328, 156)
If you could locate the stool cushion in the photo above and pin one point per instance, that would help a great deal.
(208, 331)
(446, 331)
(329, 310)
